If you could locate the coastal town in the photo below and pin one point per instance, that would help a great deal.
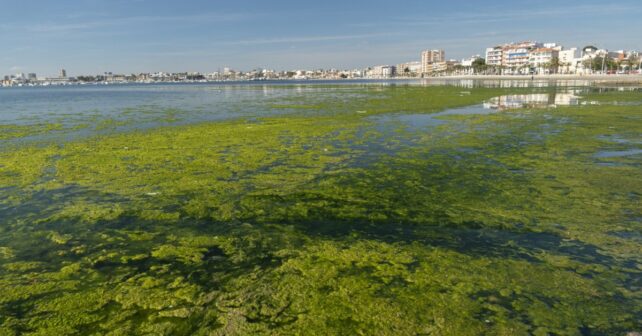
(510, 59)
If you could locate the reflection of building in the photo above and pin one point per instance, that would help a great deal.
(541, 100)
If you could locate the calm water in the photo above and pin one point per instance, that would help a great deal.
(74, 106)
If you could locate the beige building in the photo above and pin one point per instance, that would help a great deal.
(435, 67)
(428, 57)
(409, 69)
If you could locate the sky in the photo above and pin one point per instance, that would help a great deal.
(132, 36)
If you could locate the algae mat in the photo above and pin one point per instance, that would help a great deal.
(339, 214)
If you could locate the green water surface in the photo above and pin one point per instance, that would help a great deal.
(356, 214)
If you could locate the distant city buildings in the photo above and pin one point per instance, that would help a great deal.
(546, 58)
(523, 58)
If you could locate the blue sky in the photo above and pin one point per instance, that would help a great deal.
(93, 36)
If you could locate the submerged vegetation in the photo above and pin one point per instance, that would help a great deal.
(338, 216)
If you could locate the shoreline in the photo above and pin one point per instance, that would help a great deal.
(636, 78)
(587, 79)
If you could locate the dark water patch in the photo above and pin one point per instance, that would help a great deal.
(616, 154)
(632, 235)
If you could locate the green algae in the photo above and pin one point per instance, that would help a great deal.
(633, 95)
(497, 224)
(19, 131)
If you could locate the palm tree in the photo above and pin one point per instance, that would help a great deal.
(633, 61)
(554, 64)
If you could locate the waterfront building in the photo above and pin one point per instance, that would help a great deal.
(541, 60)
(570, 60)
(435, 67)
(63, 73)
(428, 57)
(432, 56)
(618, 55)
(382, 71)
(552, 45)
(468, 62)
(590, 52)
(494, 55)
(409, 68)
(516, 57)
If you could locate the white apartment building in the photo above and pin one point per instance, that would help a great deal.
(494, 55)
(589, 53)
(570, 61)
(468, 62)
(540, 59)
(381, 71)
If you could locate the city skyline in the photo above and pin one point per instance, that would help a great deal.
(144, 36)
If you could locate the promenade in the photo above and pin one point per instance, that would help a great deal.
(635, 78)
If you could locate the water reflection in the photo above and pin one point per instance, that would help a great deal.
(537, 100)
(614, 154)
(414, 122)
(528, 83)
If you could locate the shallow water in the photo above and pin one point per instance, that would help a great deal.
(613, 154)
(345, 209)
(540, 100)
